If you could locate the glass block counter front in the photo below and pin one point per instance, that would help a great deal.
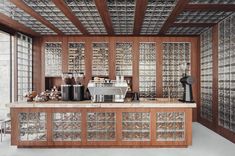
(135, 126)
(67, 126)
(170, 126)
(32, 126)
(101, 126)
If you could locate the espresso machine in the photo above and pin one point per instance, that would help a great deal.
(186, 82)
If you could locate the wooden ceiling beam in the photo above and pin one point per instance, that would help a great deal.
(140, 8)
(103, 10)
(20, 4)
(70, 15)
(210, 7)
(193, 24)
(180, 6)
(9, 22)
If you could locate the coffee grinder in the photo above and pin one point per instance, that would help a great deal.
(66, 87)
(78, 88)
(186, 82)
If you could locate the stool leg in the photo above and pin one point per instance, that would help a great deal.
(5, 128)
(1, 132)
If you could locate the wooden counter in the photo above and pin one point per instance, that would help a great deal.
(149, 123)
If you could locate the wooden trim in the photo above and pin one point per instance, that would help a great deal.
(7, 21)
(65, 54)
(103, 10)
(175, 12)
(140, 8)
(210, 7)
(135, 65)
(20, 4)
(159, 67)
(70, 15)
(193, 24)
(7, 29)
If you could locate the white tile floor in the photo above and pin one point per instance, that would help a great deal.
(205, 143)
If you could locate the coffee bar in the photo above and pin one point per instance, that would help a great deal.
(118, 74)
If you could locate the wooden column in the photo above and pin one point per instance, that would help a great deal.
(88, 60)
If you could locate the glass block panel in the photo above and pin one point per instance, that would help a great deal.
(76, 62)
(101, 126)
(32, 126)
(10, 10)
(53, 59)
(201, 16)
(88, 15)
(135, 126)
(206, 74)
(226, 71)
(170, 126)
(212, 2)
(24, 65)
(124, 59)
(156, 14)
(122, 14)
(174, 55)
(67, 126)
(100, 64)
(147, 70)
(186, 30)
(48, 10)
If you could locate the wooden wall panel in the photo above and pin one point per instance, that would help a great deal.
(37, 44)
(112, 40)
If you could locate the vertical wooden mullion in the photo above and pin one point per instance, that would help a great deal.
(112, 58)
(49, 125)
(159, 69)
(153, 125)
(88, 60)
(119, 127)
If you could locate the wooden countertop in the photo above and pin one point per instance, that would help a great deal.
(144, 103)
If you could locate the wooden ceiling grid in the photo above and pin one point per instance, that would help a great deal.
(113, 17)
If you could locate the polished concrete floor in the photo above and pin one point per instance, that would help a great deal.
(205, 143)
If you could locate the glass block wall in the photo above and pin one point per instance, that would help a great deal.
(206, 74)
(174, 55)
(24, 65)
(53, 59)
(76, 62)
(147, 70)
(226, 71)
(124, 59)
(100, 63)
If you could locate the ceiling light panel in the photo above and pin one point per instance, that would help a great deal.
(88, 15)
(122, 13)
(10, 10)
(186, 30)
(212, 2)
(201, 16)
(156, 14)
(50, 12)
